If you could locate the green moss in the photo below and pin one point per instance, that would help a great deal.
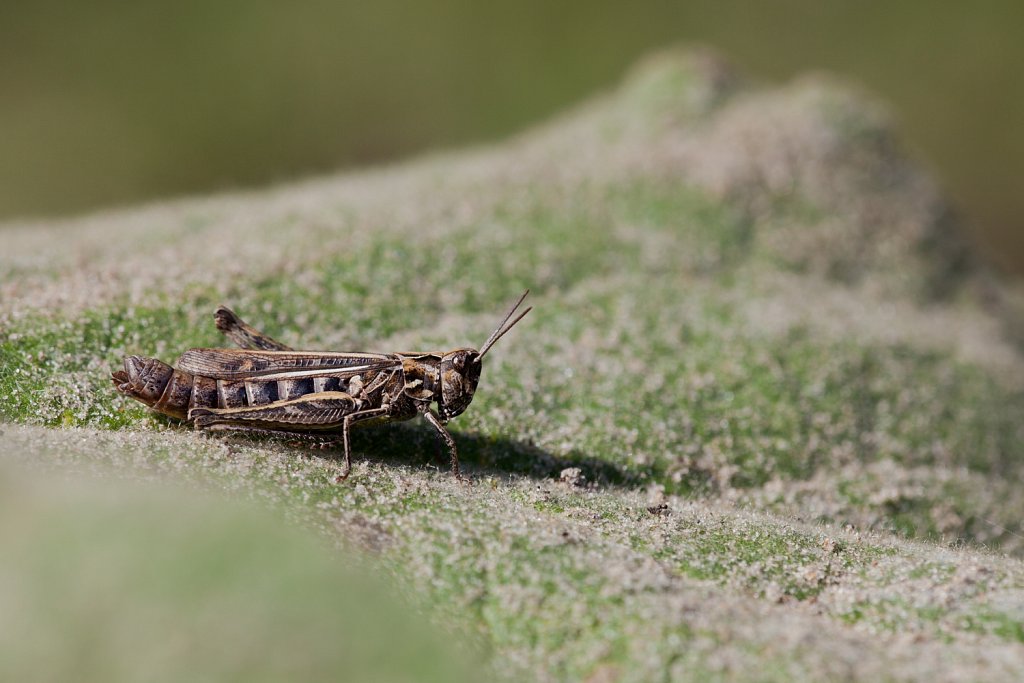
(934, 570)
(57, 372)
(999, 624)
(674, 392)
(760, 559)
(896, 614)
(677, 86)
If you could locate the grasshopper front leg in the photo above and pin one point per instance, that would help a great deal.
(436, 423)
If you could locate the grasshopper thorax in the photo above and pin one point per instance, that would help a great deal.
(460, 373)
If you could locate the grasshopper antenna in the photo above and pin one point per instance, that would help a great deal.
(502, 328)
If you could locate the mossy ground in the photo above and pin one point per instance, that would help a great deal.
(735, 360)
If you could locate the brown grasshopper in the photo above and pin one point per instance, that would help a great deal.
(266, 388)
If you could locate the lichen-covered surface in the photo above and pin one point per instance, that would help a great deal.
(766, 420)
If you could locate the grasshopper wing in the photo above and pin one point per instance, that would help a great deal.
(238, 364)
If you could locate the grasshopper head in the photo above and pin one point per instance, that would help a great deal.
(460, 373)
(460, 369)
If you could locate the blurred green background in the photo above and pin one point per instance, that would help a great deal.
(104, 579)
(110, 102)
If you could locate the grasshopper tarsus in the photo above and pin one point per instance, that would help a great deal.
(265, 387)
(345, 471)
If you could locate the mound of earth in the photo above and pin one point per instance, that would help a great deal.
(764, 422)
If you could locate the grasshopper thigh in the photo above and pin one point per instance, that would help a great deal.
(314, 439)
(244, 335)
(323, 410)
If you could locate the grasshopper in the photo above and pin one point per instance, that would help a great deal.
(267, 388)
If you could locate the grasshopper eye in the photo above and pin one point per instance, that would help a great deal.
(459, 362)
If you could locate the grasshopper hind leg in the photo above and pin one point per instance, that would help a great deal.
(317, 416)
(313, 440)
(244, 335)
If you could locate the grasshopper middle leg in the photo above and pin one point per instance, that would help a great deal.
(346, 427)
